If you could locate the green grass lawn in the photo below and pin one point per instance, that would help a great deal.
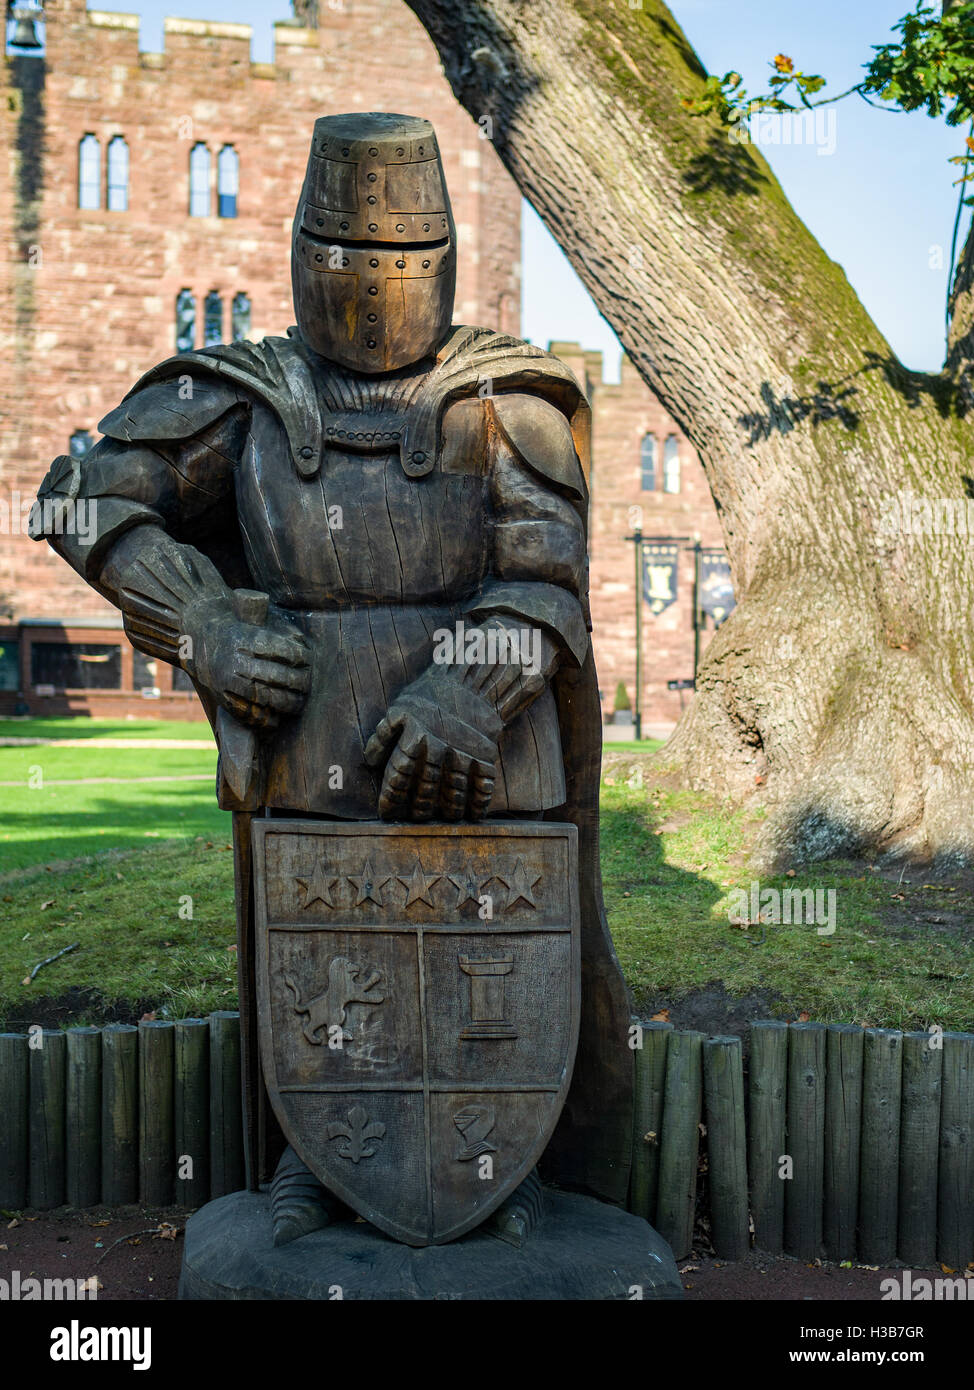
(118, 867)
(42, 821)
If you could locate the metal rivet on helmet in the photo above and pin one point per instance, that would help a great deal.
(307, 451)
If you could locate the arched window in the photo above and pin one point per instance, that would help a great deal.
(227, 181)
(118, 175)
(240, 318)
(212, 319)
(671, 465)
(199, 181)
(647, 462)
(89, 173)
(185, 321)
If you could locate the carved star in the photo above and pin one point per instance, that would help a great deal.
(521, 886)
(317, 885)
(418, 885)
(468, 889)
(369, 884)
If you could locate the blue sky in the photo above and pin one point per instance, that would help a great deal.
(881, 202)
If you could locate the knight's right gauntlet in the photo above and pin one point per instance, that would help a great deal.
(177, 606)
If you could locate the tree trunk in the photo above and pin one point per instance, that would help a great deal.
(841, 690)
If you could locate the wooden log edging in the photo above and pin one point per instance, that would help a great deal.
(955, 1202)
(93, 1116)
(860, 1144)
(919, 1145)
(804, 1176)
(843, 1142)
(723, 1085)
(14, 1109)
(226, 1105)
(82, 1104)
(650, 1080)
(156, 1157)
(843, 1138)
(191, 1120)
(119, 1114)
(680, 1141)
(879, 1154)
(766, 1131)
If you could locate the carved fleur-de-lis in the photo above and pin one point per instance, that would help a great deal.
(359, 1137)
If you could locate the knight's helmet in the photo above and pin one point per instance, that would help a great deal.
(373, 253)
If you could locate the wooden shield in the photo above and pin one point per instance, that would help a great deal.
(418, 996)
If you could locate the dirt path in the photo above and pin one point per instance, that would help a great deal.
(77, 1245)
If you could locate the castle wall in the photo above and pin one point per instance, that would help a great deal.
(87, 298)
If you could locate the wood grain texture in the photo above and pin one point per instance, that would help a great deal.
(14, 1107)
(419, 1002)
(767, 1089)
(723, 1086)
(46, 1186)
(191, 1111)
(156, 1080)
(919, 1140)
(806, 1140)
(843, 1129)
(119, 1114)
(677, 1199)
(298, 531)
(955, 1207)
(83, 1117)
(882, 1072)
(650, 1060)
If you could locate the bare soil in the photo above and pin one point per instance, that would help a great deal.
(144, 1267)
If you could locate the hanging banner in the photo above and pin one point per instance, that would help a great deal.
(660, 567)
(716, 590)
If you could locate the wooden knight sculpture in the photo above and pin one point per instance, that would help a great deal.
(366, 544)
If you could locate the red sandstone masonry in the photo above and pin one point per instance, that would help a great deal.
(97, 308)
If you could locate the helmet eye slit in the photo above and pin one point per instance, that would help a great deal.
(347, 244)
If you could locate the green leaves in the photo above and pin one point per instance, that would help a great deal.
(728, 98)
(932, 66)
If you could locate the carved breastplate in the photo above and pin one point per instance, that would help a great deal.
(361, 532)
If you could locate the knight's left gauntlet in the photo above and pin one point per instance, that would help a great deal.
(439, 737)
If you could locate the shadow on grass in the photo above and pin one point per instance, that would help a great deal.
(35, 838)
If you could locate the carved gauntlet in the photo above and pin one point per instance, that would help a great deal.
(440, 733)
(177, 606)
